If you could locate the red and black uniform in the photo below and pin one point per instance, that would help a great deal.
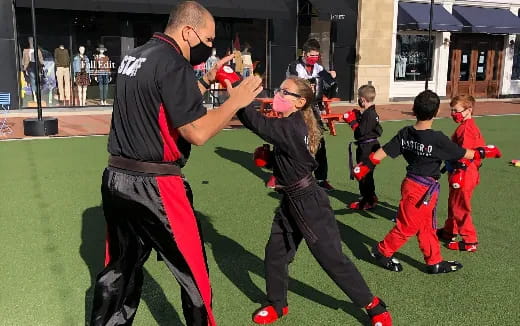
(459, 219)
(156, 94)
(423, 150)
(366, 135)
(304, 212)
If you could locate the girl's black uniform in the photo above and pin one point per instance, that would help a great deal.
(304, 212)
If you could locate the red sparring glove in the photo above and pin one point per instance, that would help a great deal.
(262, 156)
(488, 151)
(456, 179)
(351, 117)
(363, 168)
(226, 72)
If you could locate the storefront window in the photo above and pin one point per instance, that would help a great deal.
(516, 60)
(411, 55)
(80, 51)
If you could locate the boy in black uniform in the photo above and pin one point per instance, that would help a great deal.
(304, 211)
(366, 129)
(423, 149)
(158, 114)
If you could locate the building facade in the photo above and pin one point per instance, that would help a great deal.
(474, 48)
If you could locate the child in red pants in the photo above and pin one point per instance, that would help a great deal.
(424, 150)
(463, 179)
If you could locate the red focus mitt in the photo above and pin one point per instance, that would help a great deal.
(351, 117)
(262, 155)
(488, 151)
(363, 168)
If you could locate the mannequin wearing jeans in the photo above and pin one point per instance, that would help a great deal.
(102, 73)
(81, 67)
(29, 65)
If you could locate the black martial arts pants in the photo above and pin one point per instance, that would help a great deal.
(144, 213)
(283, 244)
(321, 173)
(367, 188)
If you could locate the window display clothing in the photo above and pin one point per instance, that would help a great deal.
(400, 66)
(102, 63)
(62, 63)
(29, 66)
(248, 64)
(81, 68)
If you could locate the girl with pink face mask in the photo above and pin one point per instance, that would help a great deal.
(304, 212)
(463, 178)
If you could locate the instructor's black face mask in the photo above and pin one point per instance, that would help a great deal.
(199, 53)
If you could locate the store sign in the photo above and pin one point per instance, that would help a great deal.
(101, 67)
(338, 16)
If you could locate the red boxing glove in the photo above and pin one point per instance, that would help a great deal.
(262, 155)
(364, 168)
(456, 179)
(488, 151)
(226, 72)
(351, 117)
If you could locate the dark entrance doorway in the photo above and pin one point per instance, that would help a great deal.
(475, 65)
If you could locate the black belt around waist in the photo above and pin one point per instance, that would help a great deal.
(166, 168)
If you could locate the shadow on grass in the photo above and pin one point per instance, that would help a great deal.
(244, 159)
(92, 250)
(361, 244)
(383, 209)
(236, 263)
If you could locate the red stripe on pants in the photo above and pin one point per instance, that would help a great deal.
(186, 234)
(459, 219)
(414, 219)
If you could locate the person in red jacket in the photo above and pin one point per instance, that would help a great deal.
(463, 178)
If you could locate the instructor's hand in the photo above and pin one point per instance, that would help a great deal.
(246, 92)
(212, 74)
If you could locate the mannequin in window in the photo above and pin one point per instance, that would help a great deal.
(239, 66)
(400, 66)
(29, 65)
(247, 61)
(102, 76)
(62, 63)
(81, 68)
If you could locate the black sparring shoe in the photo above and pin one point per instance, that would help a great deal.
(444, 267)
(389, 263)
(445, 236)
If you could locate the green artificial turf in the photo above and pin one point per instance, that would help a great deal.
(52, 237)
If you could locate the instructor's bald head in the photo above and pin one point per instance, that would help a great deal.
(189, 13)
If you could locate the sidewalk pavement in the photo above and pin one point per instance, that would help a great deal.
(96, 121)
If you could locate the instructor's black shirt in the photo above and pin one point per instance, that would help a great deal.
(292, 159)
(424, 150)
(156, 93)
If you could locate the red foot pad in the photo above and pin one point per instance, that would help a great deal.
(383, 319)
(268, 315)
(462, 246)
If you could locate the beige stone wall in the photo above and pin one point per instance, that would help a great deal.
(374, 45)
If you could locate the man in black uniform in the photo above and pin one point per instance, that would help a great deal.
(158, 113)
(324, 83)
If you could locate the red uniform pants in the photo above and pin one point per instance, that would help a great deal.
(459, 219)
(414, 219)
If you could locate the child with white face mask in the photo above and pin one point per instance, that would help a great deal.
(304, 212)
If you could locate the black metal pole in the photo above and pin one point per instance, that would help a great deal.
(37, 62)
(429, 53)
